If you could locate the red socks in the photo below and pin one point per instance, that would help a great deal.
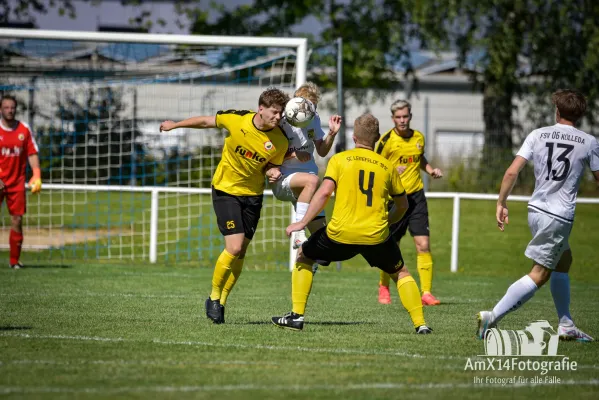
(15, 240)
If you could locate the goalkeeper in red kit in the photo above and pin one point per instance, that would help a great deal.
(17, 146)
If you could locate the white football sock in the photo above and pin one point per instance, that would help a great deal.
(560, 290)
(517, 294)
(300, 211)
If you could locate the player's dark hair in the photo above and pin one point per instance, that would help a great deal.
(366, 130)
(273, 96)
(8, 97)
(571, 104)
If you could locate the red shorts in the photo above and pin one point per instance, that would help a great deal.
(15, 201)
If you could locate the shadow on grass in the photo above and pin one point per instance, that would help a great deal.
(15, 328)
(34, 266)
(340, 323)
(309, 323)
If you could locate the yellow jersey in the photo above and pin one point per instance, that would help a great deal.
(406, 152)
(364, 181)
(246, 153)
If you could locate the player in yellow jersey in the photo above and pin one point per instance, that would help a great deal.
(255, 147)
(404, 147)
(363, 182)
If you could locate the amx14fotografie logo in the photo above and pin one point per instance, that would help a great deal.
(532, 350)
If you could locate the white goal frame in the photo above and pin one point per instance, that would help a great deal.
(299, 44)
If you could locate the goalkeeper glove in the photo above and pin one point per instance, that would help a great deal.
(35, 183)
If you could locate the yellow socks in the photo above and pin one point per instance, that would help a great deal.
(222, 270)
(410, 298)
(424, 264)
(301, 285)
(233, 277)
(385, 279)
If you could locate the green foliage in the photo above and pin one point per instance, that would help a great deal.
(518, 49)
(24, 9)
(530, 49)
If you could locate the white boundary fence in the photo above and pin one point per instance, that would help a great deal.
(455, 224)
(155, 205)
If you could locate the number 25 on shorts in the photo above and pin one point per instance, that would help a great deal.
(230, 224)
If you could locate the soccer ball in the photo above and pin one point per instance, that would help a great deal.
(299, 112)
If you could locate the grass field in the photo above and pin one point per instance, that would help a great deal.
(82, 330)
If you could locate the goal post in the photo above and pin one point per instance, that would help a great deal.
(114, 187)
(299, 44)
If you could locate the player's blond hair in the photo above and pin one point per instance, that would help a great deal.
(273, 96)
(310, 91)
(571, 104)
(400, 104)
(366, 130)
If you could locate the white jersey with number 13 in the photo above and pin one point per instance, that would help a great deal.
(560, 154)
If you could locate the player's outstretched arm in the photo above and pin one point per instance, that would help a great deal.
(317, 204)
(35, 183)
(436, 173)
(202, 122)
(400, 206)
(507, 184)
(323, 146)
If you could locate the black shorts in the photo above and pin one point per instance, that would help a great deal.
(416, 218)
(385, 256)
(236, 214)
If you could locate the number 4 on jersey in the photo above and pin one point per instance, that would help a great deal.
(368, 190)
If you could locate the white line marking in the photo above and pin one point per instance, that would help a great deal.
(286, 388)
(179, 362)
(390, 352)
(93, 294)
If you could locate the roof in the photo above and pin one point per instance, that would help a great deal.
(422, 62)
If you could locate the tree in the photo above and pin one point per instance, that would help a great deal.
(528, 49)
(24, 9)
(373, 43)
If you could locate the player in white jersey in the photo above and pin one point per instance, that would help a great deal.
(560, 153)
(299, 172)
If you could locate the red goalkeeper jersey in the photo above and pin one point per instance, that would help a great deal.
(15, 148)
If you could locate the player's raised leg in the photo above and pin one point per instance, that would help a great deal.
(303, 185)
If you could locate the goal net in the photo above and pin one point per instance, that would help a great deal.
(116, 188)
